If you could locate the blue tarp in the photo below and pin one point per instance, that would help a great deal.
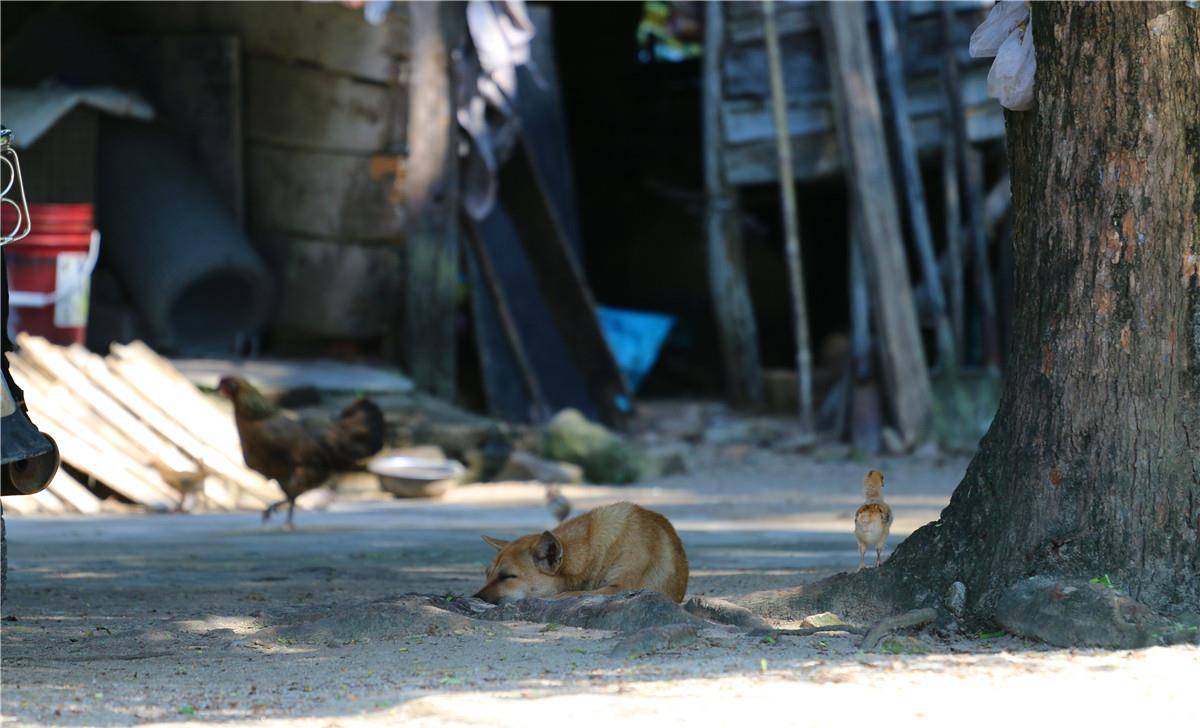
(635, 337)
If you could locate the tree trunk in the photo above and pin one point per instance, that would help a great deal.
(1092, 464)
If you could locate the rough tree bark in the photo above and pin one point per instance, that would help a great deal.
(1092, 464)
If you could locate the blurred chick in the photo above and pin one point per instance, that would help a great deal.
(300, 455)
(873, 519)
(558, 504)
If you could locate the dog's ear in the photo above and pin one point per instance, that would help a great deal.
(548, 553)
(496, 543)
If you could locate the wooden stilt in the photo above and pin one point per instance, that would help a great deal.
(914, 188)
(864, 149)
(732, 308)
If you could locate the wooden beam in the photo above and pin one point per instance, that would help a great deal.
(902, 358)
(559, 274)
(914, 188)
(539, 411)
(430, 299)
(791, 223)
(733, 310)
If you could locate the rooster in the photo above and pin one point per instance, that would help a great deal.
(873, 519)
(300, 455)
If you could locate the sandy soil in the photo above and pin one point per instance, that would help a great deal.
(147, 619)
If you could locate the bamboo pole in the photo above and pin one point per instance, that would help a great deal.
(791, 224)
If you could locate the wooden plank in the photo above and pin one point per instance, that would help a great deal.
(209, 418)
(428, 341)
(216, 455)
(22, 505)
(733, 311)
(324, 194)
(71, 492)
(55, 360)
(325, 34)
(817, 155)
(913, 186)
(303, 107)
(272, 376)
(791, 224)
(750, 120)
(902, 357)
(58, 399)
(338, 289)
(48, 502)
(539, 412)
(551, 359)
(195, 83)
(86, 434)
(543, 121)
(87, 450)
(745, 67)
(131, 479)
(560, 278)
(203, 456)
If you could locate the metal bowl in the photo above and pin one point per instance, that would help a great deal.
(409, 477)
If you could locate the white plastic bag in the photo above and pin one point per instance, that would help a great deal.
(1011, 77)
(1001, 21)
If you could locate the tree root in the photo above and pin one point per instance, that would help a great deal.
(884, 626)
(804, 631)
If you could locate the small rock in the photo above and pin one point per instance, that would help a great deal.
(524, 466)
(604, 456)
(823, 619)
(928, 450)
(893, 443)
(729, 432)
(956, 598)
(666, 460)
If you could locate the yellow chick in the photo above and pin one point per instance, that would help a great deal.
(873, 519)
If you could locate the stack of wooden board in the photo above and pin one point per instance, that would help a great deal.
(132, 423)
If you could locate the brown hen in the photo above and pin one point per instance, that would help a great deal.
(300, 455)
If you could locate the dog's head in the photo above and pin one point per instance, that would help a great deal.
(525, 567)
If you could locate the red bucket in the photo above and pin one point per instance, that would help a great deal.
(50, 271)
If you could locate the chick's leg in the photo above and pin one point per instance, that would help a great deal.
(862, 556)
(291, 510)
(878, 554)
(266, 514)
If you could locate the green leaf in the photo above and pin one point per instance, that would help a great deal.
(187, 710)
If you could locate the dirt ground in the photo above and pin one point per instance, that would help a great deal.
(148, 619)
